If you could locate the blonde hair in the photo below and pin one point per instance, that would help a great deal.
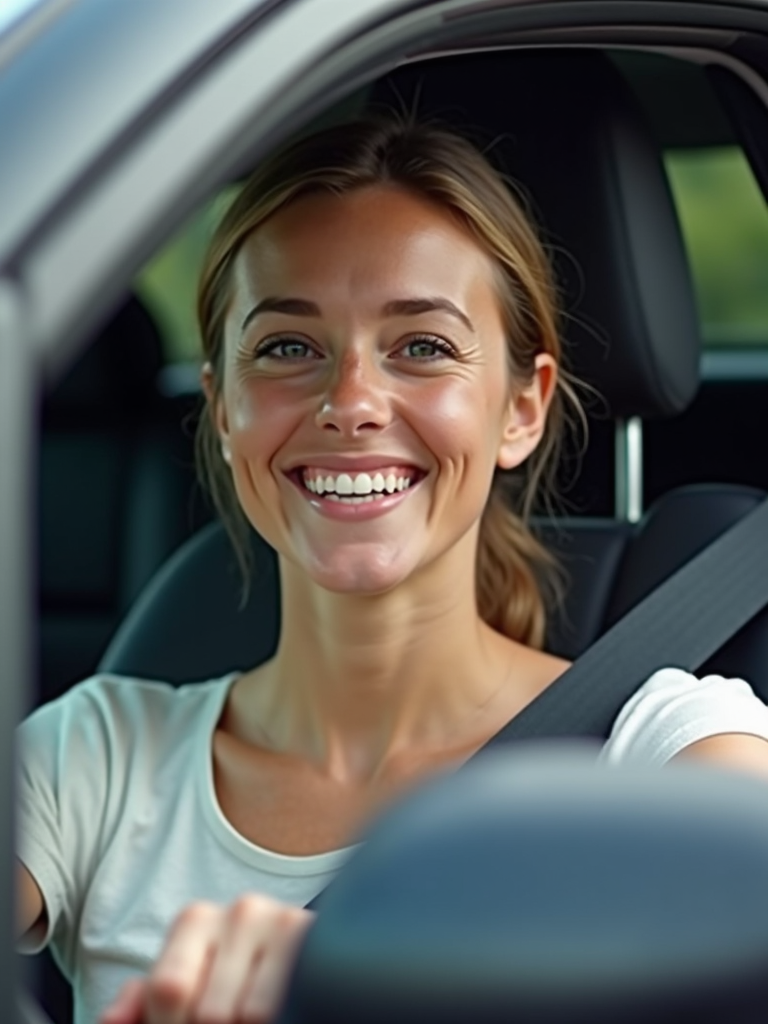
(514, 571)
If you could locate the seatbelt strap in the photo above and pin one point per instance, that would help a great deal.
(681, 623)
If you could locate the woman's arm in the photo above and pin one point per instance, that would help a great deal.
(731, 750)
(229, 964)
(30, 907)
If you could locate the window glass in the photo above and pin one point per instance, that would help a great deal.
(724, 220)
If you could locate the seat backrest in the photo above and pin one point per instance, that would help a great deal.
(115, 483)
(569, 130)
(191, 622)
(611, 566)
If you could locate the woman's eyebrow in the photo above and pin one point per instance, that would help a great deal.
(413, 307)
(291, 307)
(397, 307)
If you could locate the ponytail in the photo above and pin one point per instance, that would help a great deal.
(513, 572)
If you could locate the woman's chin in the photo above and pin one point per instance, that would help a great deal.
(353, 572)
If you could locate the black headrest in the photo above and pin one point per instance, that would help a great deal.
(565, 126)
(116, 374)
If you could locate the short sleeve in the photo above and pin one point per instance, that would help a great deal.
(674, 709)
(63, 771)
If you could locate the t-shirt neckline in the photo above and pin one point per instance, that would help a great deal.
(257, 856)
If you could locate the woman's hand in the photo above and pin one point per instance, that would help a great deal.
(220, 965)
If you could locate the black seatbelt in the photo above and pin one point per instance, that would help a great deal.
(681, 623)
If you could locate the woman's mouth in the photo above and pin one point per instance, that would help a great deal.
(356, 487)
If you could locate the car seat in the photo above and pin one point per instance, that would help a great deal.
(567, 128)
(115, 484)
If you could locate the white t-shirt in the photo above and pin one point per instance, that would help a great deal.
(120, 826)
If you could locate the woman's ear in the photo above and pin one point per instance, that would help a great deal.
(526, 414)
(216, 408)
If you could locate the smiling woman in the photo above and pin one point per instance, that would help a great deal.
(436, 197)
(381, 347)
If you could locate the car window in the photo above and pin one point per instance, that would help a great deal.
(724, 220)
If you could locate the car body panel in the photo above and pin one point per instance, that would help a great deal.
(75, 87)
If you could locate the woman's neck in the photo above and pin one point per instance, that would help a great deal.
(359, 682)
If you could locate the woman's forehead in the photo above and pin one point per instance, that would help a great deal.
(378, 242)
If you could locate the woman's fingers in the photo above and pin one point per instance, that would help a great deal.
(179, 977)
(228, 965)
(265, 989)
(128, 1008)
(247, 978)
(246, 933)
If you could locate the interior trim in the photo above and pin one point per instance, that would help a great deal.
(740, 365)
(706, 56)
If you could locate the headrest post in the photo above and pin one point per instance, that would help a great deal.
(629, 469)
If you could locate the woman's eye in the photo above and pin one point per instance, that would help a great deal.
(285, 349)
(426, 348)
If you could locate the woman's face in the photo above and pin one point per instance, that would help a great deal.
(366, 397)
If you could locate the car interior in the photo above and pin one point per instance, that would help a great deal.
(135, 577)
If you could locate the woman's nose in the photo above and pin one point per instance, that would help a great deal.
(355, 400)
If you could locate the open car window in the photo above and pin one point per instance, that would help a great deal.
(724, 218)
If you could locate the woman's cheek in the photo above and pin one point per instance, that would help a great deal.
(261, 418)
(261, 422)
(455, 421)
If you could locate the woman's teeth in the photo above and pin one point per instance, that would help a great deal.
(354, 489)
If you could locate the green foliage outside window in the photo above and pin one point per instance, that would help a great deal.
(168, 284)
(724, 219)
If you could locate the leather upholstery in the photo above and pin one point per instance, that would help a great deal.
(191, 622)
(612, 566)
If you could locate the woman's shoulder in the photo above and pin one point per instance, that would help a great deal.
(115, 705)
(675, 708)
